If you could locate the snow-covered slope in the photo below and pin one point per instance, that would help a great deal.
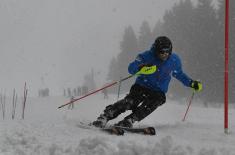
(47, 130)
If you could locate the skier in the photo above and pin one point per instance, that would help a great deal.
(148, 91)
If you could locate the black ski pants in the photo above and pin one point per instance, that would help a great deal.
(141, 100)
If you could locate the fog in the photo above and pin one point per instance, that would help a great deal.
(54, 43)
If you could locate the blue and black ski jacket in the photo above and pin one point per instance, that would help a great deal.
(159, 81)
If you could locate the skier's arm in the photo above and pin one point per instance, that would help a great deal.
(180, 75)
(136, 65)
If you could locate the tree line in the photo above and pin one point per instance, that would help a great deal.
(197, 33)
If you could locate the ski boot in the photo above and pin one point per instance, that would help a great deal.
(100, 122)
(127, 123)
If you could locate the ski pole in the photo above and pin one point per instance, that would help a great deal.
(144, 70)
(190, 102)
(95, 91)
(119, 88)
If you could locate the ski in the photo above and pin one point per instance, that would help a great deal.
(142, 130)
(119, 130)
(111, 130)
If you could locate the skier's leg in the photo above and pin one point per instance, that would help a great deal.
(146, 108)
(132, 100)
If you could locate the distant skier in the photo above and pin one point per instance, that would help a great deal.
(149, 90)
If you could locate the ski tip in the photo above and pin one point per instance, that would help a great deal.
(150, 131)
(60, 106)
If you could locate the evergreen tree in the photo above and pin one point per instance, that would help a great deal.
(221, 21)
(178, 24)
(195, 35)
(113, 74)
(113, 68)
(206, 49)
(129, 49)
(145, 37)
(157, 30)
(119, 66)
(89, 80)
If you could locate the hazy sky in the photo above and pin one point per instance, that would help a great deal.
(54, 43)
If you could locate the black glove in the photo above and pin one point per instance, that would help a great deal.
(196, 85)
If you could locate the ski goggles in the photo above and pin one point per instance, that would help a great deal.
(165, 50)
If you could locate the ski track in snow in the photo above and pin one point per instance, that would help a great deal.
(51, 131)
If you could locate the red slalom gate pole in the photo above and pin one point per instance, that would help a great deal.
(95, 91)
(226, 66)
(190, 102)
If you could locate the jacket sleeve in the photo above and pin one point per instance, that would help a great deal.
(134, 66)
(180, 75)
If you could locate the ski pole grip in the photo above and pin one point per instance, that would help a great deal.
(147, 70)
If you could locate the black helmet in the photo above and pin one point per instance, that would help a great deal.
(162, 43)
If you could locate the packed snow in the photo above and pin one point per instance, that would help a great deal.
(47, 130)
